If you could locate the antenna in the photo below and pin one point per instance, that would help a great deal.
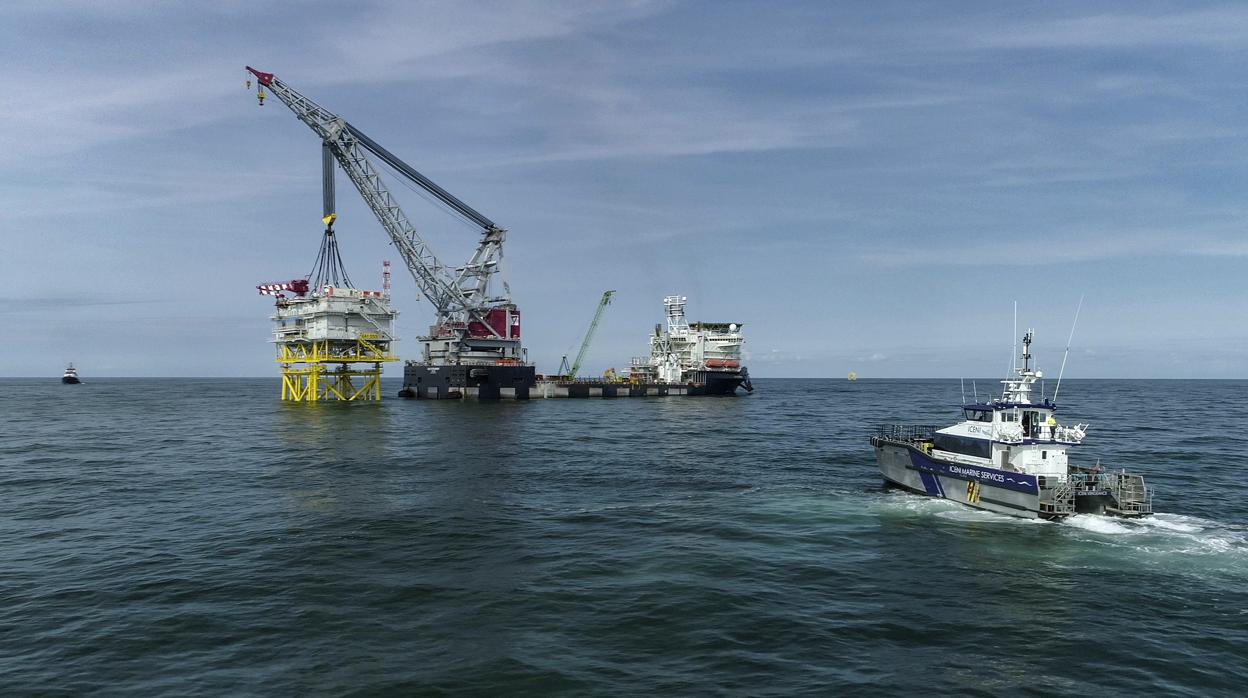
(1014, 343)
(963, 380)
(973, 387)
(1027, 350)
(1068, 341)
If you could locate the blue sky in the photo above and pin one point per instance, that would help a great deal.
(866, 186)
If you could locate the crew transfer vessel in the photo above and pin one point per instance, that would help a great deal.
(1009, 456)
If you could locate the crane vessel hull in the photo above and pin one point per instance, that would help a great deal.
(688, 359)
(451, 382)
(716, 383)
(522, 383)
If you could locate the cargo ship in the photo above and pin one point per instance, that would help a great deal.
(1008, 456)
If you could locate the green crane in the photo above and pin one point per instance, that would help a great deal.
(589, 335)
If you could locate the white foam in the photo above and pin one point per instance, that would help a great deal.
(1096, 524)
(1189, 541)
(947, 509)
(1173, 522)
(1163, 534)
(916, 503)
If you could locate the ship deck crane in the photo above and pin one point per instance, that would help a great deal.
(473, 325)
(589, 336)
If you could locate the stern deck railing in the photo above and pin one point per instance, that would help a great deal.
(905, 433)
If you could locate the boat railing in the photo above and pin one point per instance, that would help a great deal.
(1057, 496)
(905, 433)
(1131, 496)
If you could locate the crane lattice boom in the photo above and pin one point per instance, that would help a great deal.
(459, 296)
(589, 334)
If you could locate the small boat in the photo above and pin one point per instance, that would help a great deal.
(71, 375)
(1008, 456)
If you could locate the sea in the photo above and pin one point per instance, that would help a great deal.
(190, 537)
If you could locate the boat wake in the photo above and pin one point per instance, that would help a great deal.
(905, 502)
(1160, 533)
(1174, 537)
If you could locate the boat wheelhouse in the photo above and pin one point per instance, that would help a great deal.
(1009, 456)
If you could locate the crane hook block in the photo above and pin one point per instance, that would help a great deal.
(329, 220)
(260, 95)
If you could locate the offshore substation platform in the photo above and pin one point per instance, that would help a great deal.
(331, 337)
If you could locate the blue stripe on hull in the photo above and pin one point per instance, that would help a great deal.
(930, 483)
(992, 477)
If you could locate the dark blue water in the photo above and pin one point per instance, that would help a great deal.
(197, 537)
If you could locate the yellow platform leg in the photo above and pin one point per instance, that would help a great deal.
(325, 370)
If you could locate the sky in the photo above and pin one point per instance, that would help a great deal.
(866, 186)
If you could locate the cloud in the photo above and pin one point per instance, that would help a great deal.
(1058, 247)
(44, 304)
(1216, 27)
(390, 41)
(56, 197)
(181, 82)
(772, 357)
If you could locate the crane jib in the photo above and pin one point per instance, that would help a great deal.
(458, 296)
(408, 171)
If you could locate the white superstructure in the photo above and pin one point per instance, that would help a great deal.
(1012, 433)
(339, 316)
(332, 341)
(685, 350)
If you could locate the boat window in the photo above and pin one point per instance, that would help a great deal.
(1044, 455)
(979, 415)
(1009, 416)
(980, 448)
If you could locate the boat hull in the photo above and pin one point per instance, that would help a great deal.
(70, 380)
(475, 382)
(520, 383)
(719, 382)
(979, 487)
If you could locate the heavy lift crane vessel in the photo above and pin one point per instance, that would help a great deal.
(473, 347)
